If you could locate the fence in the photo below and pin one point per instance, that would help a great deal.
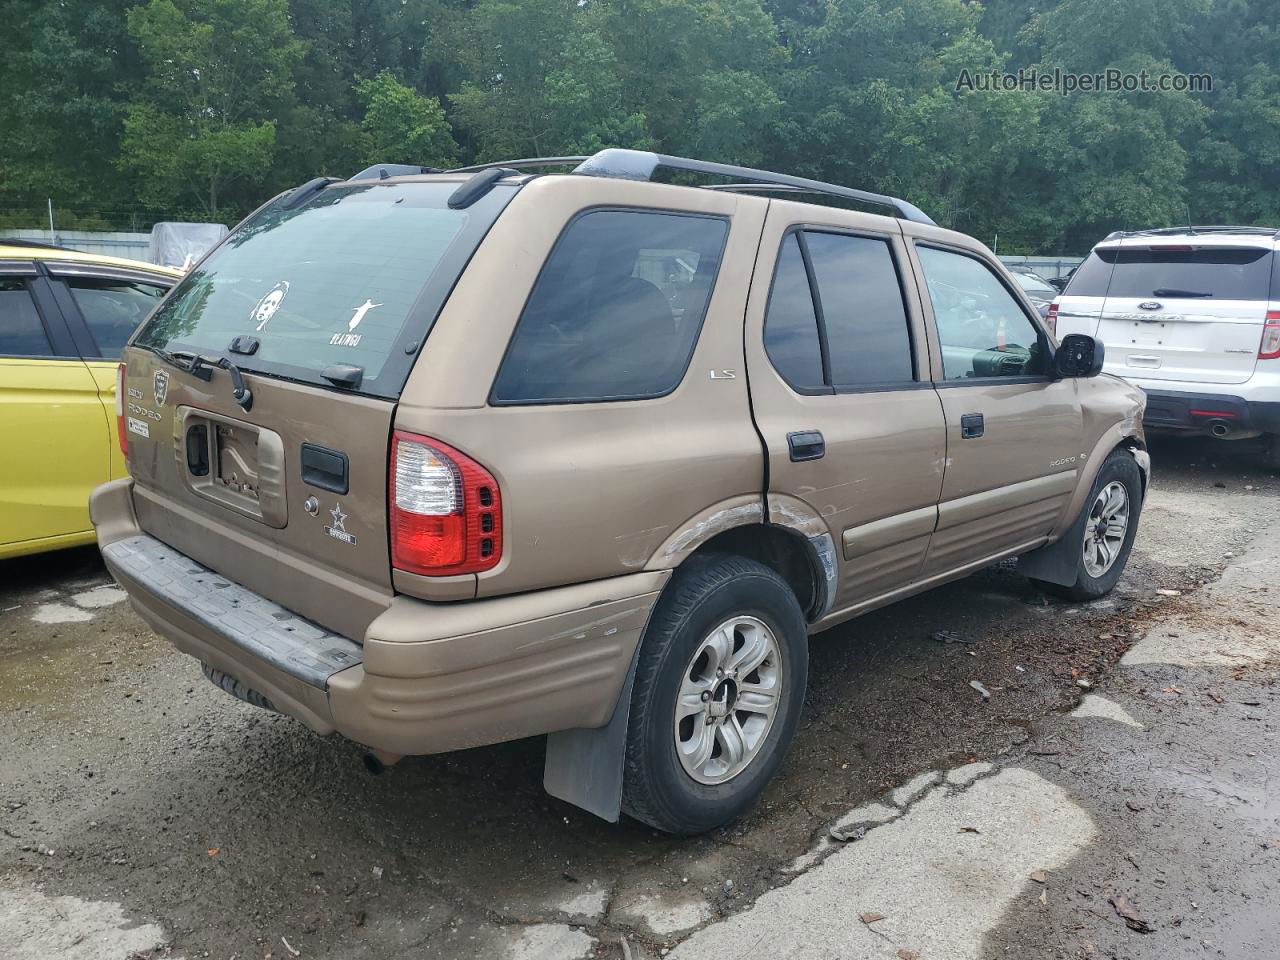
(133, 246)
(1047, 267)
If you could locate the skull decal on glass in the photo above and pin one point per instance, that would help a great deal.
(266, 307)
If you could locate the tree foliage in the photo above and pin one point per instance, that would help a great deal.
(208, 106)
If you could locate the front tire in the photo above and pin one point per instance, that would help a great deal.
(717, 697)
(1104, 531)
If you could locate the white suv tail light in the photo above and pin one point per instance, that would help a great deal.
(1269, 349)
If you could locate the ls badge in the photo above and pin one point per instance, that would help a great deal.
(160, 385)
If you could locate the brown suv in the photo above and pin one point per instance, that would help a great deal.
(442, 459)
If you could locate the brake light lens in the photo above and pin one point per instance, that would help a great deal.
(446, 509)
(1051, 318)
(121, 433)
(1269, 349)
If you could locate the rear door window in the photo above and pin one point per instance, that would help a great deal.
(791, 325)
(113, 309)
(862, 310)
(355, 276)
(616, 311)
(21, 332)
(836, 319)
(1175, 272)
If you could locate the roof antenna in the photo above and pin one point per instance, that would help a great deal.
(1191, 231)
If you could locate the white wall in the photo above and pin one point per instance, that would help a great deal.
(134, 246)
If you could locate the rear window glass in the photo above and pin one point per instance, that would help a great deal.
(1033, 284)
(354, 276)
(112, 309)
(1216, 273)
(21, 332)
(1090, 279)
(616, 310)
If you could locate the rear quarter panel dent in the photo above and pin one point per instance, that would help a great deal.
(735, 512)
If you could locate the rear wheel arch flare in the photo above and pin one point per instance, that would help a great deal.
(784, 551)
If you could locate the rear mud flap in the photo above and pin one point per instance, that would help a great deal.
(584, 767)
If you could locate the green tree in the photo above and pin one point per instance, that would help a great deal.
(544, 81)
(401, 125)
(218, 72)
(703, 73)
(64, 77)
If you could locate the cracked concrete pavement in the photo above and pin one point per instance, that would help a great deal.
(1129, 750)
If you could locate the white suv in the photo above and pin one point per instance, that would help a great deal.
(1192, 316)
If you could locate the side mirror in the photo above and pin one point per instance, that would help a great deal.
(1079, 355)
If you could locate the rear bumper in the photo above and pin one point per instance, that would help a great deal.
(427, 678)
(1198, 411)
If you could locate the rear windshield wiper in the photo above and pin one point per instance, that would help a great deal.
(1175, 292)
(239, 392)
(184, 360)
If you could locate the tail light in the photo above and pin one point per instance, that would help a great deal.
(1051, 318)
(1269, 349)
(121, 432)
(446, 510)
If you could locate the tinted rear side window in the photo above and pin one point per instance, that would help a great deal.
(616, 310)
(21, 332)
(791, 326)
(1209, 273)
(1091, 278)
(112, 309)
(862, 310)
(354, 276)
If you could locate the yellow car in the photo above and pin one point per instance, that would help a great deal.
(64, 318)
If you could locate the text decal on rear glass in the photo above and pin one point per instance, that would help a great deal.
(351, 338)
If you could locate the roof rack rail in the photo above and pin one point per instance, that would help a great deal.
(641, 165)
(381, 171)
(529, 163)
(1192, 231)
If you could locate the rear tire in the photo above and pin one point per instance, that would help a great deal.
(1271, 451)
(1101, 557)
(231, 685)
(718, 693)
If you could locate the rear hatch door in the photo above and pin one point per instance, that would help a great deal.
(1184, 311)
(323, 307)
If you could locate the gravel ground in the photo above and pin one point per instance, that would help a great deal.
(144, 812)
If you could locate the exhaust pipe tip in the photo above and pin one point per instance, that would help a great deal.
(1220, 428)
(378, 761)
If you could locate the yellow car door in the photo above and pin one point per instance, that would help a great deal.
(56, 432)
(103, 306)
